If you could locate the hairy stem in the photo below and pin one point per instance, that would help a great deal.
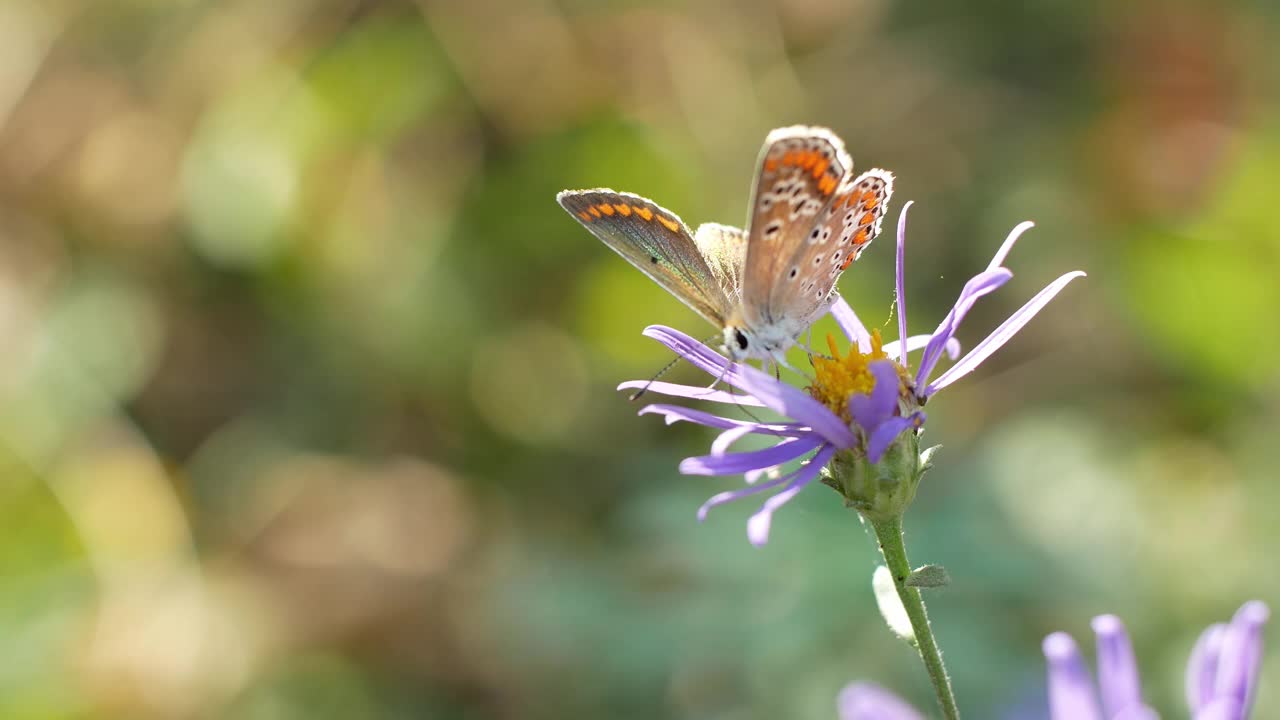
(889, 533)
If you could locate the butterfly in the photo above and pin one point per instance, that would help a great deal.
(809, 219)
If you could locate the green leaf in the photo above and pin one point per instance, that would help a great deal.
(929, 576)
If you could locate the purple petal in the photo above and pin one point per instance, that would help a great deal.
(758, 524)
(870, 410)
(793, 403)
(1221, 709)
(1202, 667)
(981, 284)
(1117, 667)
(1138, 712)
(848, 321)
(1070, 690)
(676, 413)
(734, 463)
(915, 342)
(884, 435)
(690, 391)
(696, 354)
(1002, 334)
(900, 285)
(731, 495)
(1007, 245)
(864, 701)
(726, 439)
(1241, 655)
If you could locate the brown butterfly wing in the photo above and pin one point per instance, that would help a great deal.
(844, 229)
(800, 171)
(656, 242)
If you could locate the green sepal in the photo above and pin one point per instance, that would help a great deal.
(884, 489)
(926, 458)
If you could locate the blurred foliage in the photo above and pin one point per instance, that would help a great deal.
(307, 403)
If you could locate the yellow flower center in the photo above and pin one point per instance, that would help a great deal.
(836, 378)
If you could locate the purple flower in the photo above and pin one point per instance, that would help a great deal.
(864, 701)
(860, 404)
(1222, 676)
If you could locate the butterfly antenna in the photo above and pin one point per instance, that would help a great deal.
(637, 394)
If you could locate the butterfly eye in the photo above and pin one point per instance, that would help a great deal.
(741, 339)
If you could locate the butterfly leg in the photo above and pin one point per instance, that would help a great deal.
(719, 379)
(743, 408)
(779, 360)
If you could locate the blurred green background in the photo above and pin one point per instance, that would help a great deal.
(307, 400)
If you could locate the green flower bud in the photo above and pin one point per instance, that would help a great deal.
(883, 490)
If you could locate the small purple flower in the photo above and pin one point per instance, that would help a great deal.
(864, 701)
(1222, 676)
(860, 404)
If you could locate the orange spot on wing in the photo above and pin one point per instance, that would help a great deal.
(671, 225)
(827, 185)
(771, 164)
(586, 216)
(860, 238)
(594, 211)
(867, 219)
(848, 261)
(643, 212)
(870, 202)
(808, 160)
(821, 167)
(605, 208)
(791, 158)
(623, 210)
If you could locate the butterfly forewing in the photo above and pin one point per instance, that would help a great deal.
(844, 229)
(800, 171)
(654, 240)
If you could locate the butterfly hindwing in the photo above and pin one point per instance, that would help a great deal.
(800, 171)
(725, 250)
(656, 242)
(844, 229)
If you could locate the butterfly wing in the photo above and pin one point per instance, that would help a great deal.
(800, 170)
(725, 250)
(844, 229)
(654, 240)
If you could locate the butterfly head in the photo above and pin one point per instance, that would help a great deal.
(739, 343)
(744, 343)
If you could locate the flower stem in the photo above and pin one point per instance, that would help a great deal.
(889, 533)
